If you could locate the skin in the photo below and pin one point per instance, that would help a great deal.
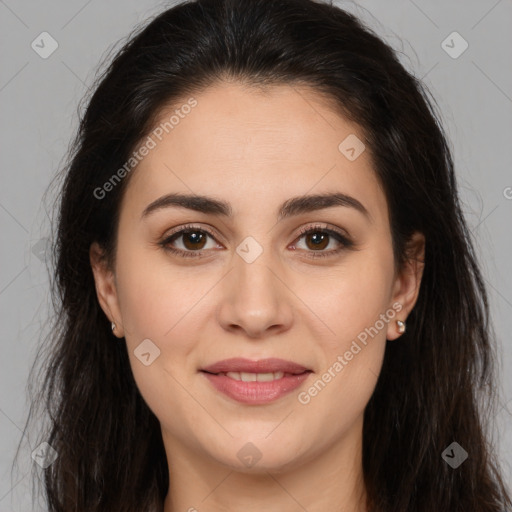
(256, 149)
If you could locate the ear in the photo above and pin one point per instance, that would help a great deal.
(407, 283)
(106, 289)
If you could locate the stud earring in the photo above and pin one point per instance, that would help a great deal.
(401, 326)
(113, 326)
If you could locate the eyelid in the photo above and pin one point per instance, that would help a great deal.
(327, 227)
(193, 227)
(190, 227)
(303, 230)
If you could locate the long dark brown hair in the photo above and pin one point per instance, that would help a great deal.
(437, 385)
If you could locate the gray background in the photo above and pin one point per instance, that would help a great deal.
(39, 98)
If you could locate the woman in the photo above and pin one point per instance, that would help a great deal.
(269, 295)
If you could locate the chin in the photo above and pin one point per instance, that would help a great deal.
(259, 456)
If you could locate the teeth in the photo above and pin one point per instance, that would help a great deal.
(265, 377)
(253, 377)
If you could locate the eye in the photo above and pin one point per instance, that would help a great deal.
(193, 241)
(318, 238)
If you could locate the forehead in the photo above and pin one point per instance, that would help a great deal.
(248, 145)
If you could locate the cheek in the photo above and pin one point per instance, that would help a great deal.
(167, 305)
(355, 296)
(154, 295)
(352, 356)
(158, 305)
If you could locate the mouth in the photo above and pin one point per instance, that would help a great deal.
(255, 377)
(255, 382)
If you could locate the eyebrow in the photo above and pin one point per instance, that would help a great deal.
(293, 206)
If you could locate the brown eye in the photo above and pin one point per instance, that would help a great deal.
(317, 240)
(193, 240)
(188, 242)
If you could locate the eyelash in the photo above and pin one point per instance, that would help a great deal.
(345, 242)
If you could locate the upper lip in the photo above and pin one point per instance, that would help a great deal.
(239, 364)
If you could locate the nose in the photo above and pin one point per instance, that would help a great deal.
(255, 299)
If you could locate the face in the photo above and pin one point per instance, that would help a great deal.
(257, 275)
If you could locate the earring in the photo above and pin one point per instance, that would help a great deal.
(113, 326)
(401, 326)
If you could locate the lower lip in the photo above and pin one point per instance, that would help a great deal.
(256, 393)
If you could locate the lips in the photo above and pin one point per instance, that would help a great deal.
(272, 365)
(255, 382)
